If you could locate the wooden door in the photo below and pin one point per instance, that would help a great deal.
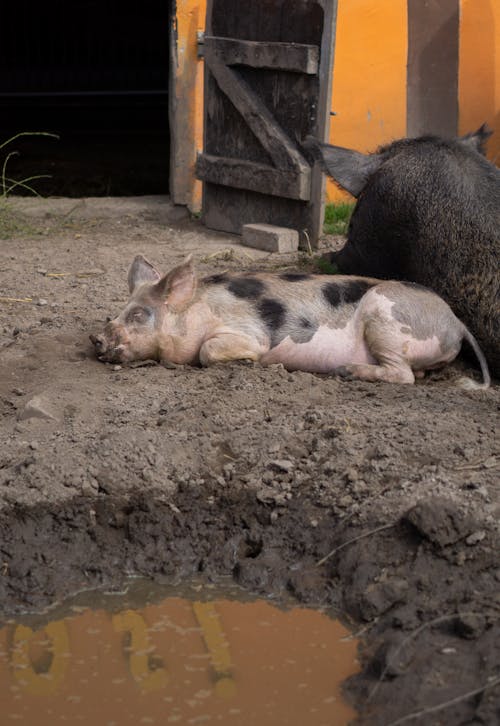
(268, 66)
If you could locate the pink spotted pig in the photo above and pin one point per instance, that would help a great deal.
(354, 327)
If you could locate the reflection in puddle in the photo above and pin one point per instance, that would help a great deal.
(151, 657)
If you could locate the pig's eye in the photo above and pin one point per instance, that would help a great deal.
(138, 315)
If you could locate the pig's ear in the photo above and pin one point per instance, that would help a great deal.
(477, 139)
(347, 167)
(141, 271)
(178, 287)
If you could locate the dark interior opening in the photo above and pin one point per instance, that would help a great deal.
(94, 72)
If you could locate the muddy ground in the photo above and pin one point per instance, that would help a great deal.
(380, 500)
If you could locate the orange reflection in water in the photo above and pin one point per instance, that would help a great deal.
(178, 662)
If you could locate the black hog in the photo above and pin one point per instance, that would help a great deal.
(428, 211)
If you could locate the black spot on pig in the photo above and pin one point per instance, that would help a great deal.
(294, 276)
(303, 331)
(345, 293)
(273, 313)
(331, 292)
(354, 290)
(247, 287)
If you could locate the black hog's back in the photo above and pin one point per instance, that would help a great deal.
(431, 214)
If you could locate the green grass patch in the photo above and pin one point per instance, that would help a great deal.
(13, 223)
(337, 217)
(8, 184)
(325, 266)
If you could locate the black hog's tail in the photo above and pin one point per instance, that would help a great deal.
(468, 383)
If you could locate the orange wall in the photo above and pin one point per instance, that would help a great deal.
(479, 69)
(369, 76)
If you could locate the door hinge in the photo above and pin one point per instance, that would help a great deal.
(200, 42)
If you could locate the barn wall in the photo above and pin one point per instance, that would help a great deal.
(375, 97)
(479, 70)
(369, 76)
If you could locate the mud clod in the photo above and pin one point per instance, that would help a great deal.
(440, 521)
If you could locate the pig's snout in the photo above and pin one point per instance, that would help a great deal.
(98, 342)
(100, 345)
(107, 350)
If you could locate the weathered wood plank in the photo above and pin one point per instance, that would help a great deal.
(298, 102)
(297, 57)
(243, 174)
(258, 117)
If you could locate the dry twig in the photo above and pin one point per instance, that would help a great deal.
(412, 636)
(444, 704)
(351, 541)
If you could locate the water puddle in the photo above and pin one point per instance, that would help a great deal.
(155, 656)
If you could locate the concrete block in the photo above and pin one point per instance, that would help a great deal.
(270, 238)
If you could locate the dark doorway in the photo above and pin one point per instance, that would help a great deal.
(96, 73)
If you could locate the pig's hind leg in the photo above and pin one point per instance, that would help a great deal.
(384, 344)
(225, 347)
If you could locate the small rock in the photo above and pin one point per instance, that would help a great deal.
(470, 626)
(41, 302)
(39, 407)
(265, 496)
(281, 465)
(346, 500)
(379, 597)
(393, 657)
(267, 477)
(33, 445)
(475, 537)
(41, 270)
(351, 475)
(228, 470)
(18, 391)
(116, 368)
(88, 489)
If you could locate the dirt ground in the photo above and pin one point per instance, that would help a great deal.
(379, 500)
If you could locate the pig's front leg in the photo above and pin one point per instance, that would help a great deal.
(225, 347)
